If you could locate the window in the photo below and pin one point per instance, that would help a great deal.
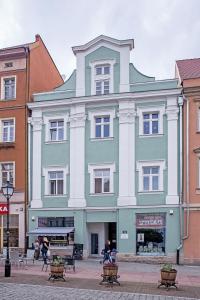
(150, 175)
(56, 183)
(8, 88)
(102, 70)
(102, 87)
(56, 127)
(102, 127)
(8, 65)
(101, 178)
(7, 173)
(102, 73)
(150, 121)
(101, 124)
(55, 180)
(150, 178)
(57, 130)
(102, 181)
(8, 130)
(56, 222)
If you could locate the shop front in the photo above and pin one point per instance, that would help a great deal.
(150, 234)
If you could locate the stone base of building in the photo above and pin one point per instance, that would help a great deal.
(192, 261)
(146, 258)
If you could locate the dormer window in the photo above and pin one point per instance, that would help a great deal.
(102, 77)
(103, 70)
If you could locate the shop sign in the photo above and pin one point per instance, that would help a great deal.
(148, 221)
(140, 237)
(3, 208)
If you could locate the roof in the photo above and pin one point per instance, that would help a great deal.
(189, 68)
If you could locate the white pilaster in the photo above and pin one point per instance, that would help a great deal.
(80, 75)
(36, 122)
(77, 156)
(126, 153)
(172, 118)
(124, 69)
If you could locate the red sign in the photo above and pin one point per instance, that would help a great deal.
(149, 221)
(3, 209)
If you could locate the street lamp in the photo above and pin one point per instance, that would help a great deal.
(7, 192)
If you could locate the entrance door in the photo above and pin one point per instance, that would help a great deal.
(94, 243)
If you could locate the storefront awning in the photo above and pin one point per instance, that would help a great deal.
(51, 231)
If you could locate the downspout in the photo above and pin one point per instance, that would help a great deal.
(187, 171)
(26, 144)
(180, 103)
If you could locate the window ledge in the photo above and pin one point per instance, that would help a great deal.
(151, 135)
(7, 145)
(55, 142)
(150, 192)
(11, 99)
(111, 138)
(101, 194)
(53, 196)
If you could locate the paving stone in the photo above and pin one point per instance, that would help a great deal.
(12, 291)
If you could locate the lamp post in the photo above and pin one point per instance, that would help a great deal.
(7, 192)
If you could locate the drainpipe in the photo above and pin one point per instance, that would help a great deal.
(180, 103)
(186, 199)
(187, 171)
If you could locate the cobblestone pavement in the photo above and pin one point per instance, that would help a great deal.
(37, 292)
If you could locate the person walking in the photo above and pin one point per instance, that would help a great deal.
(107, 252)
(44, 249)
(37, 249)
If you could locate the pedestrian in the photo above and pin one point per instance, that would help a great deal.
(37, 249)
(44, 249)
(106, 252)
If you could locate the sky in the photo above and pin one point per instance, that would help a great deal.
(163, 30)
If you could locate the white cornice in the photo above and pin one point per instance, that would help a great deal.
(105, 98)
(103, 38)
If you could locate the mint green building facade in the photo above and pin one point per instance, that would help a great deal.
(104, 157)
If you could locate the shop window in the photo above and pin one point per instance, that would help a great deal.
(14, 230)
(150, 234)
(56, 222)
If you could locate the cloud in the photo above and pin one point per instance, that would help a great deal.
(10, 28)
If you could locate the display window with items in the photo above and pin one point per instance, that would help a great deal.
(150, 234)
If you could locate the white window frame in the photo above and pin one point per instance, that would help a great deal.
(151, 163)
(45, 174)
(160, 110)
(3, 87)
(2, 127)
(7, 162)
(92, 115)
(48, 119)
(92, 168)
(102, 77)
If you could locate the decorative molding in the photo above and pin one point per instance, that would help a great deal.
(37, 123)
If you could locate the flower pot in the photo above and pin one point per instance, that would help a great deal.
(168, 276)
(110, 270)
(57, 270)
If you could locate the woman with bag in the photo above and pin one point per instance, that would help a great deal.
(45, 248)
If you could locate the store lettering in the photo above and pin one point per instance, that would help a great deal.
(3, 209)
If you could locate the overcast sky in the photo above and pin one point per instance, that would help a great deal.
(163, 30)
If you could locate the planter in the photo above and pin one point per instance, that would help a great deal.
(168, 276)
(56, 272)
(110, 270)
(110, 274)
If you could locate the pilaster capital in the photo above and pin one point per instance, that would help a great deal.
(126, 115)
(77, 120)
(172, 113)
(37, 123)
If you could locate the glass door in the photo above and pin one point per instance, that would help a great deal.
(94, 243)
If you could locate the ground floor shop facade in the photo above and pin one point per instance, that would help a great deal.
(16, 222)
(135, 232)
